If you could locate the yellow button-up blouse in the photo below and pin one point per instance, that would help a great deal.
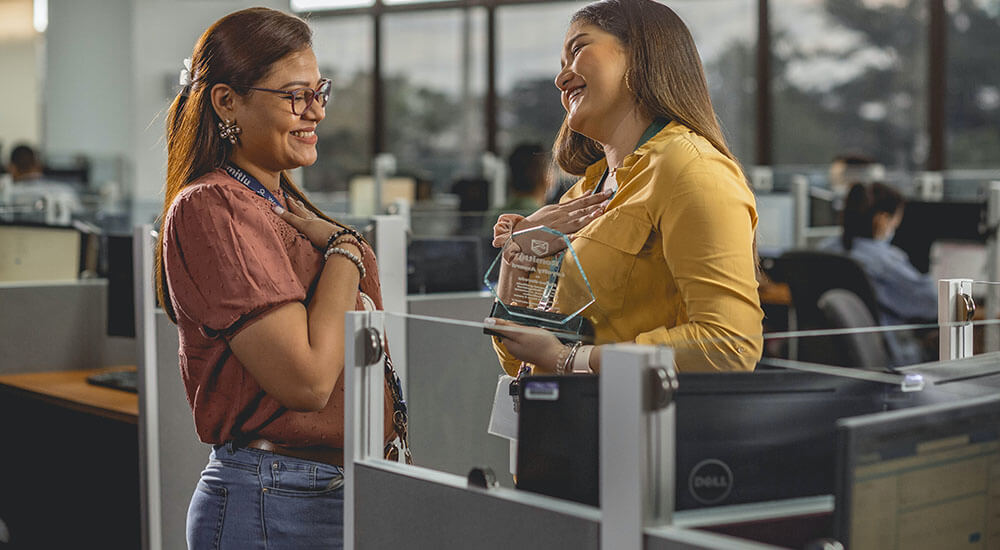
(671, 261)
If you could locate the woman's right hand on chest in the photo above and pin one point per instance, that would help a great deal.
(315, 228)
(566, 218)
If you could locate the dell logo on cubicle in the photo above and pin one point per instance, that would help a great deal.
(710, 481)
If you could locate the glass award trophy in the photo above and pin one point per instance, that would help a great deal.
(537, 281)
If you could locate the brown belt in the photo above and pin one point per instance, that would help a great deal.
(326, 455)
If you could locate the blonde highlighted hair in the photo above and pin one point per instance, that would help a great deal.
(664, 72)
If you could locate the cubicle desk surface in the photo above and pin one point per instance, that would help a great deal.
(772, 293)
(71, 462)
(70, 389)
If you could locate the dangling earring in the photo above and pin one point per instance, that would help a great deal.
(230, 130)
(628, 82)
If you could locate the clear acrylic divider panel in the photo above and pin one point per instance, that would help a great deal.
(775, 405)
(452, 375)
(453, 368)
(904, 357)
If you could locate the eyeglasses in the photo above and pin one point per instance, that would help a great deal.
(301, 98)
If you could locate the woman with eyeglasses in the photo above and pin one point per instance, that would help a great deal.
(258, 281)
(662, 218)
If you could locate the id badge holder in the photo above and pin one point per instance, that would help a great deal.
(503, 418)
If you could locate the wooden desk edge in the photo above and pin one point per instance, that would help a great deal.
(50, 387)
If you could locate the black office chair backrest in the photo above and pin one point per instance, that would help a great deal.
(843, 309)
(810, 273)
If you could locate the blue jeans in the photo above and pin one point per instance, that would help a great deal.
(253, 499)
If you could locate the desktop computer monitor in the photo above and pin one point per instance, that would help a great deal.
(927, 477)
(78, 177)
(824, 209)
(767, 435)
(31, 252)
(926, 222)
(740, 437)
(775, 223)
(116, 267)
(444, 264)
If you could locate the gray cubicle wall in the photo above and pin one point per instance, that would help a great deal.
(181, 456)
(427, 510)
(452, 517)
(48, 326)
(171, 456)
(441, 383)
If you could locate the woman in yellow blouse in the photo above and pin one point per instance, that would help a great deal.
(663, 220)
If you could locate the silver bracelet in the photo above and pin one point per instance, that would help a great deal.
(564, 366)
(347, 254)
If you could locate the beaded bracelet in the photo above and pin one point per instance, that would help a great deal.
(561, 358)
(351, 240)
(347, 254)
(345, 231)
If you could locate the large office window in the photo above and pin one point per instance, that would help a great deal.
(725, 32)
(309, 5)
(343, 47)
(530, 43)
(434, 81)
(850, 76)
(973, 101)
(845, 76)
(530, 39)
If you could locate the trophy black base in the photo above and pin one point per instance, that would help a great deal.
(577, 329)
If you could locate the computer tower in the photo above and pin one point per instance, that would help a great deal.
(558, 446)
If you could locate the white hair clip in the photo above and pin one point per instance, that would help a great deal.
(185, 78)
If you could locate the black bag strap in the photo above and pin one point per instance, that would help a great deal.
(399, 414)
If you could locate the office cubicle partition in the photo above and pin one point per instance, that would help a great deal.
(449, 363)
(170, 453)
(430, 507)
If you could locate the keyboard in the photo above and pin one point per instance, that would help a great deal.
(125, 380)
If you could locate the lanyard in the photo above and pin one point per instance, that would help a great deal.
(250, 182)
(654, 128)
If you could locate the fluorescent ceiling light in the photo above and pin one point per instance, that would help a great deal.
(312, 5)
(41, 16)
(395, 2)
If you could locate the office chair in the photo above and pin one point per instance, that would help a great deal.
(843, 309)
(809, 274)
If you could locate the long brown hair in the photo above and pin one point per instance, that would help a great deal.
(664, 72)
(241, 47)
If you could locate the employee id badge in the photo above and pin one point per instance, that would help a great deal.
(503, 418)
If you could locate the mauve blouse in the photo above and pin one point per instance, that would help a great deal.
(229, 259)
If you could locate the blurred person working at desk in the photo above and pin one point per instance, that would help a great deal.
(31, 197)
(872, 212)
